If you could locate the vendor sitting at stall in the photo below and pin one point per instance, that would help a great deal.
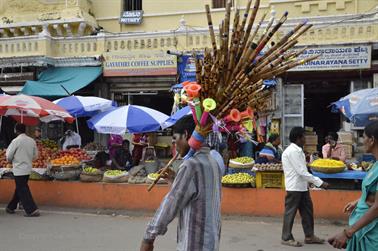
(270, 153)
(333, 150)
(150, 161)
(37, 134)
(70, 139)
(122, 159)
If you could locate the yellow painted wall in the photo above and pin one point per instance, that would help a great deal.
(163, 16)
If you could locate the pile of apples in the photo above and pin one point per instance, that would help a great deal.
(3, 162)
(44, 154)
(77, 153)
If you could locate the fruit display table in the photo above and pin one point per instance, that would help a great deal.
(235, 201)
(346, 175)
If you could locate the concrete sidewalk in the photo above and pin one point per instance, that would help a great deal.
(85, 231)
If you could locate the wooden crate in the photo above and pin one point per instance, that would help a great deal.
(270, 179)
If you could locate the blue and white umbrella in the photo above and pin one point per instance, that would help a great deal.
(360, 107)
(176, 116)
(79, 106)
(129, 118)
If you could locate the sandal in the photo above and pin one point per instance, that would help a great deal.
(291, 243)
(33, 214)
(9, 211)
(314, 240)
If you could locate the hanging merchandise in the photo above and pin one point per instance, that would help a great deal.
(232, 73)
(275, 126)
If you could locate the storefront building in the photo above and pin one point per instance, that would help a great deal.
(309, 90)
(122, 36)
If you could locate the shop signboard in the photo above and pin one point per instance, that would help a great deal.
(131, 17)
(139, 63)
(348, 57)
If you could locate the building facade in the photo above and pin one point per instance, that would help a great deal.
(129, 38)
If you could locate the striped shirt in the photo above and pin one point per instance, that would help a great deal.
(195, 196)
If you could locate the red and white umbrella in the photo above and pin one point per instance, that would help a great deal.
(30, 110)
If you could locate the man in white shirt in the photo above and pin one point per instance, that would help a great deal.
(297, 179)
(21, 153)
(71, 139)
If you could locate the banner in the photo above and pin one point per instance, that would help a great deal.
(347, 57)
(187, 68)
(139, 63)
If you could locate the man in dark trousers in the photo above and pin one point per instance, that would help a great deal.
(297, 179)
(21, 153)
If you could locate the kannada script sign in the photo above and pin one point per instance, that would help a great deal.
(347, 57)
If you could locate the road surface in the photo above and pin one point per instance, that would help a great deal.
(58, 230)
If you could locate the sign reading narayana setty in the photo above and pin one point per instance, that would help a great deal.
(347, 57)
(140, 63)
(131, 17)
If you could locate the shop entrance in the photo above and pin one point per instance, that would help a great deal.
(317, 113)
(161, 101)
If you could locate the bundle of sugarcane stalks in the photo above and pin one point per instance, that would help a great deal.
(232, 72)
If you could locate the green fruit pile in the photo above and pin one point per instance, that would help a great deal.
(51, 144)
(238, 178)
(243, 160)
(91, 170)
(115, 173)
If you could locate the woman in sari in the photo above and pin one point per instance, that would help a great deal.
(362, 233)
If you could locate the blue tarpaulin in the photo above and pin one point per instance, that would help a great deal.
(61, 81)
(346, 175)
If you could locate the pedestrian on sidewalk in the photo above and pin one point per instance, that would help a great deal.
(362, 233)
(195, 196)
(297, 179)
(21, 153)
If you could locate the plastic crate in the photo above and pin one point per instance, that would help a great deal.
(270, 179)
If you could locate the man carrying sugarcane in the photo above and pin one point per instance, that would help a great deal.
(195, 196)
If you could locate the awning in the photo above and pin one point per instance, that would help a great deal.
(10, 89)
(61, 81)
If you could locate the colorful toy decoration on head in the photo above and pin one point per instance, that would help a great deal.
(208, 105)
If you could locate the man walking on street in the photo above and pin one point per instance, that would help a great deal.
(297, 179)
(195, 195)
(21, 153)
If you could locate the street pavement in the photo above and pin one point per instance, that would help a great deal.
(63, 230)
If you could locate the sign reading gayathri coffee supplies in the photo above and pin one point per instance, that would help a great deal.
(139, 63)
(348, 57)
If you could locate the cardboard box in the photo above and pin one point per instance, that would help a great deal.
(345, 138)
(348, 150)
(311, 139)
(310, 148)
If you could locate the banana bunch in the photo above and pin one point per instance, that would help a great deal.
(115, 173)
(90, 169)
(329, 163)
(243, 160)
(238, 178)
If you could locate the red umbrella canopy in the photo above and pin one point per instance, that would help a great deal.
(30, 109)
